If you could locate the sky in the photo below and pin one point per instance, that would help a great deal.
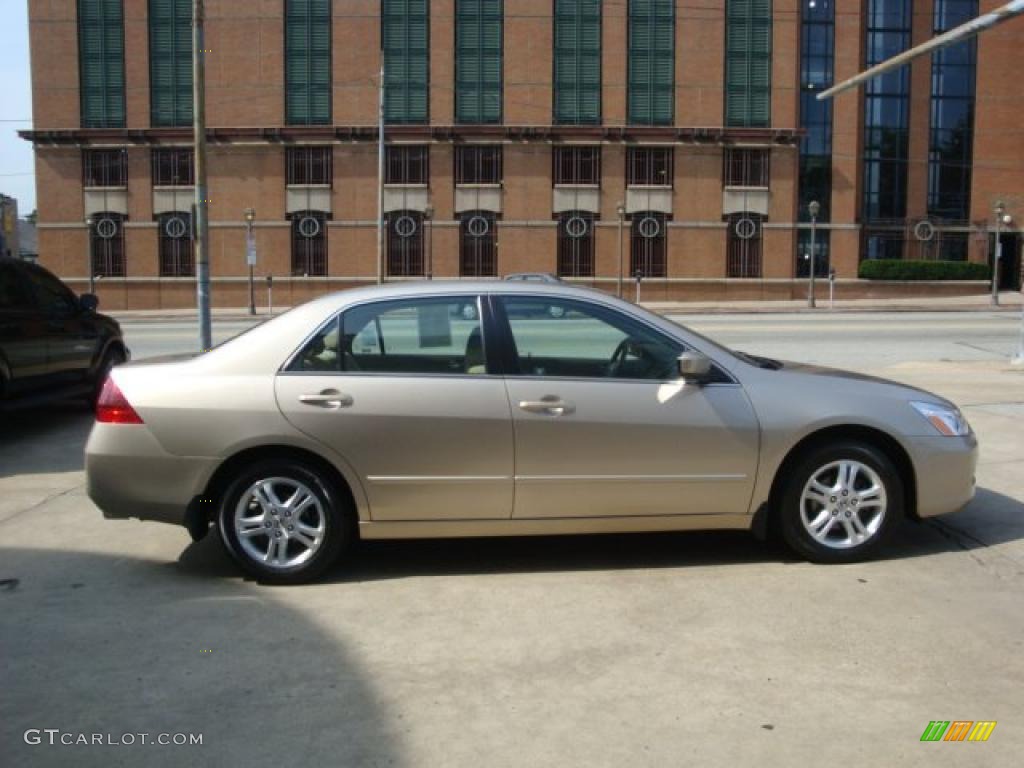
(17, 167)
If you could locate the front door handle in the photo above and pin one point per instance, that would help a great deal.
(551, 405)
(328, 398)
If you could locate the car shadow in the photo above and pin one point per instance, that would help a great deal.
(102, 643)
(48, 439)
(991, 519)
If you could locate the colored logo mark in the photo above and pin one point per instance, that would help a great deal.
(958, 730)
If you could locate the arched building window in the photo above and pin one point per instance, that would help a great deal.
(576, 244)
(174, 233)
(648, 244)
(478, 244)
(405, 244)
(309, 243)
(107, 244)
(744, 245)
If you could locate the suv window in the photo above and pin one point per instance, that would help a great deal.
(13, 291)
(408, 336)
(51, 294)
(555, 337)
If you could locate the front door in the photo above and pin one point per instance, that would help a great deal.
(605, 428)
(72, 334)
(402, 391)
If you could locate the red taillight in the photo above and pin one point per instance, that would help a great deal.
(113, 407)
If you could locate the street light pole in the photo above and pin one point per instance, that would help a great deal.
(202, 244)
(620, 209)
(997, 253)
(428, 215)
(814, 208)
(90, 222)
(250, 255)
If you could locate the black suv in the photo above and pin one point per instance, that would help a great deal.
(52, 343)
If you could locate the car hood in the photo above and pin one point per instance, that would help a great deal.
(840, 378)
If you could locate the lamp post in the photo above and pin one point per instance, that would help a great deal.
(90, 222)
(620, 210)
(250, 255)
(428, 216)
(814, 208)
(997, 252)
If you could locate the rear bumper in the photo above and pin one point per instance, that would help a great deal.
(128, 474)
(945, 472)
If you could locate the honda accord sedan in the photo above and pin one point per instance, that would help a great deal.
(422, 410)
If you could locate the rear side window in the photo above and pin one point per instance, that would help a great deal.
(402, 337)
(13, 290)
(51, 294)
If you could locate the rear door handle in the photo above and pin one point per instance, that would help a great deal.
(328, 398)
(551, 405)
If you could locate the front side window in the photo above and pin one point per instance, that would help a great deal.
(13, 292)
(555, 337)
(51, 294)
(403, 337)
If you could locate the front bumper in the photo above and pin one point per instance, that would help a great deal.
(129, 474)
(945, 468)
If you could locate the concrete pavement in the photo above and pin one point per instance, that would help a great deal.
(648, 650)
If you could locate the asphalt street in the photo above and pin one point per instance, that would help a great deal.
(706, 649)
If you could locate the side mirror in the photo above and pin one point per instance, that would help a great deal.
(694, 367)
(88, 302)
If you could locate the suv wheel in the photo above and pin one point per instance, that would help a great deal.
(841, 502)
(283, 521)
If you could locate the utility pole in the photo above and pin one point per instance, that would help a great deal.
(997, 252)
(380, 175)
(814, 208)
(202, 223)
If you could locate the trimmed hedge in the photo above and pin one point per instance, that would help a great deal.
(898, 269)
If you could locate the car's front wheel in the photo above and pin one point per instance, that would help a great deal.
(840, 502)
(283, 521)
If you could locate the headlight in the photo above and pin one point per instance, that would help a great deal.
(949, 421)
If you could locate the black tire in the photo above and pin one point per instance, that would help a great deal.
(844, 548)
(337, 518)
(112, 357)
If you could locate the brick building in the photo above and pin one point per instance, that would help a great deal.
(522, 135)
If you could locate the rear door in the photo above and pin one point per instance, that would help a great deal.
(23, 329)
(72, 334)
(604, 427)
(403, 390)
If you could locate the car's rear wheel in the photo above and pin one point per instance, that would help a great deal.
(841, 502)
(284, 521)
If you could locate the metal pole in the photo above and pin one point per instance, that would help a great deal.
(810, 285)
(380, 177)
(89, 224)
(252, 285)
(201, 197)
(621, 212)
(955, 35)
(1019, 357)
(997, 252)
(430, 247)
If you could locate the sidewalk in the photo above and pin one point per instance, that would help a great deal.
(1009, 301)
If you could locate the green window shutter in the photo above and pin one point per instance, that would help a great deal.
(478, 63)
(170, 62)
(101, 63)
(577, 53)
(405, 30)
(308, 62)
(748, 63)
(651, 62)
